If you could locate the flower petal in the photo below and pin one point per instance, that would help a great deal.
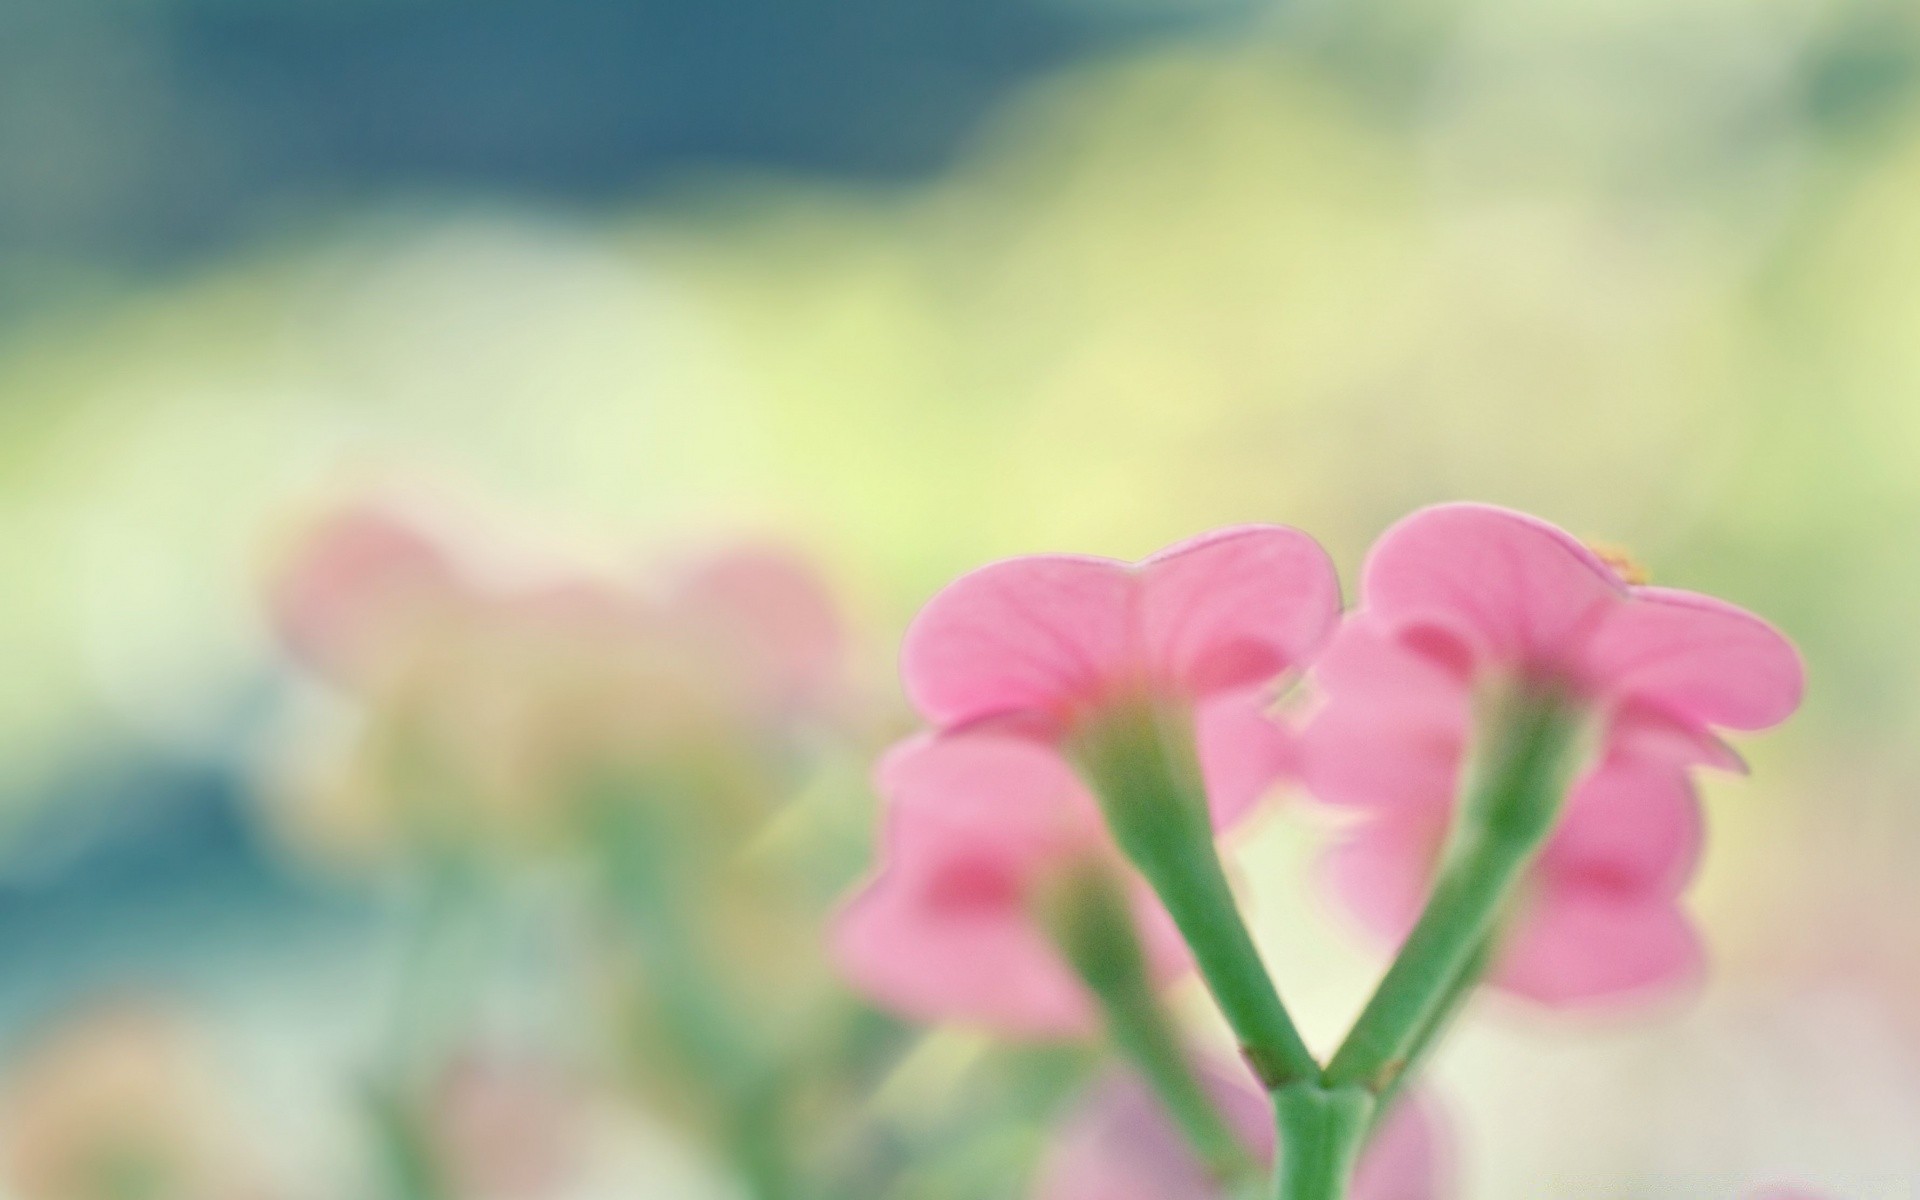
(1410, 1158)
(1632, 830)
(1392, 728)
(1520, 588)
(1383, 867)
(1120, 1144)
(1042, 633)
(1578, 948)
(945, 930)
(356, 579)
(1699, 658)
(1244, 752)
(773, 619)
(1161, 943)
(1235, 607)
(898, 943)
(986, 787)
(1650, 734)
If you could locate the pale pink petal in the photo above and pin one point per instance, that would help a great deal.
(1120, 1144)
(1632, 829)
(1392, 728)
(1161, 942)
(1640, 731)
(984, 787)
(1235, 607)
(1520, 589)
(1699, 658)
(357, 579)
(1244, 753)
(505, 1127)
(772, 614)
(956, 946)
(1018, 800)
(1059, 634)
(1047, 633)
(583, 610)
(1579, 948)
(1355, 758)
(1413, 667)
(1383, 867)
(946, 930)
(1410, 1158)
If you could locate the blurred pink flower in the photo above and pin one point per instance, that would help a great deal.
(505, 1128)
(357, 582)
(501, 680)
(1120, 1144)
(1463, 599)
(369, 579)
(1050, 640)
(979, 828)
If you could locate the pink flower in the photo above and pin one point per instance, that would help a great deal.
(981, 830)
(498, 680)
(986, 817)
(357, 583)
(1461, 600)
(977, 830)
(766, 619)
(505, 1128)
(1121, 1145)
(1051, 640)
(370, 582)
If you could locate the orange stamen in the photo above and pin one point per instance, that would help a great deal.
(1628, 568)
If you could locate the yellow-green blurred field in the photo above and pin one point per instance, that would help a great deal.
(1651, 270)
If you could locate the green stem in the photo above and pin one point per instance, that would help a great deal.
(648, 886)
(642, 878)
(1503, 822)
(1451, 1003)
(1141, 764)
(446, 941)
(410, 1167)
(1092, 922)
(1321, 1131)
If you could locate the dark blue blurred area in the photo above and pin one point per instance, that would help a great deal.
(142, 134)
(145, 875)
(137, 134)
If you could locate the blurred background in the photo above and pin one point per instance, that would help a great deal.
(904, 288)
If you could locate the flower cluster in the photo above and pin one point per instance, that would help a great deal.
(1011, 664)
(1503, 703)
(505, 680)
(522, 724)
(1506, 722)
